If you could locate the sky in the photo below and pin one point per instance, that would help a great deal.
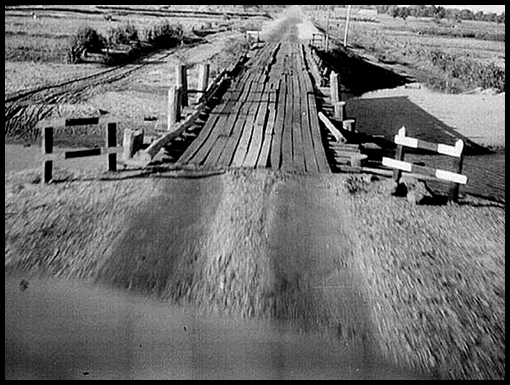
(475, 8)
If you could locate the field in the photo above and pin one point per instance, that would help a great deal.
(39, 83)
(448, 56)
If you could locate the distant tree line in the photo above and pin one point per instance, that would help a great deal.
(438, 13)
(260, 7)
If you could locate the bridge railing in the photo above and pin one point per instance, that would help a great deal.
(110, 149)
(399, 164)
(178, 98)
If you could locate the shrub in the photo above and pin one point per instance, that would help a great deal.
(468, 71)
(124, 34)
(86, 40)
(164, 35)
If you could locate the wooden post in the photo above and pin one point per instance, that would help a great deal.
(203, 79)
(181, 81)
(133, 141)
(111, 142)
(340, 111)
(458, 166)
(335, 87)
(346, 36)
(174, 106)
(350, 125)
(47, 148)
(328, 29)
(397, 174)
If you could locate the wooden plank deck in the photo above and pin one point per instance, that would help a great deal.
(266, 119)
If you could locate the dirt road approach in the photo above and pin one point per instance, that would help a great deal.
(255, 244)
(255, 270)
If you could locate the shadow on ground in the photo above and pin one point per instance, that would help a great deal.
(385, 116)
(358, 75)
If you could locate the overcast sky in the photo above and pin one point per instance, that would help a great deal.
(475, 8)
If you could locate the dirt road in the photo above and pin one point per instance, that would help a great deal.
(255, 271)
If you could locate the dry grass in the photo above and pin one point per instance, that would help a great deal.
(478, 49)
(225, 268)
(233, 271)
(63, 230)
(435, 277)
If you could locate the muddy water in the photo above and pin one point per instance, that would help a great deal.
(57, 330)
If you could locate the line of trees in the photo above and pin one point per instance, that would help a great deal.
(439, 13)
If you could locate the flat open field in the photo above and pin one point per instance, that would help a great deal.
(408, 44)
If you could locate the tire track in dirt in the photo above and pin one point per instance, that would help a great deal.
(24, 110)
(254, 245)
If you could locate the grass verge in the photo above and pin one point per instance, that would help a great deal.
(63, 230)
(435, 278)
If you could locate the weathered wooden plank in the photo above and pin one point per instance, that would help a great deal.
(227, 155)
(205, 132)
(81, 122)
(246, 106)
(320, 154)
(287, 150)
(276, 145)
(310, 161)
(225, 128)
(224, 125)
(245, 137)
(132, 143)
(269, 129)
(210, 149)
(429, 171)
(332, 129)
(297, 133)
(258, 131)
(306, 74)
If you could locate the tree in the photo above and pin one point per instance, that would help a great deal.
(501, 18)
(404, 13)
(439, 13)
(466, 14)
(491, 17)
(479, 16)
(393, 11)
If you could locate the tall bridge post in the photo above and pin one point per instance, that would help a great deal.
(47, 149)
(203, 80)
(111, 142)
(335, 87)
(174, 106)
(181, 80)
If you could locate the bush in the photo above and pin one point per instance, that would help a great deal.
(164, 35)
(468, 71)
(86, 40)
(124, 34)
